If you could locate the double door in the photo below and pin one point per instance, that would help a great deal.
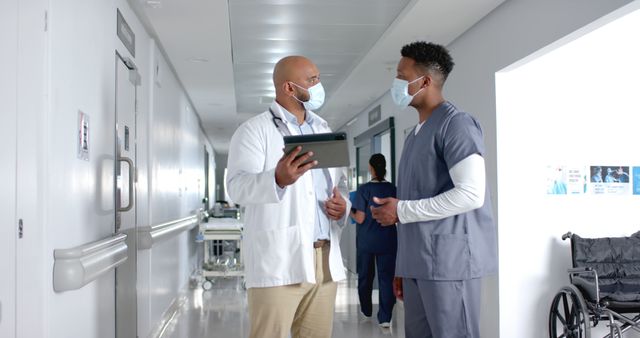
(379, 139)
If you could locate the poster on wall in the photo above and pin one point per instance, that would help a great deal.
(636, 180)
(565, 180)
(609, 180)
(83, 136)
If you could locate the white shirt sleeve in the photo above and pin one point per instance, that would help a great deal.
(280, 191)
(468, 177)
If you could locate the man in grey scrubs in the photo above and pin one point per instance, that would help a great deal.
(446, 233)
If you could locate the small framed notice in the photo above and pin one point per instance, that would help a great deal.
(83, 136)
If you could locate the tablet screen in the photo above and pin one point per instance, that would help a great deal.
(329, 149)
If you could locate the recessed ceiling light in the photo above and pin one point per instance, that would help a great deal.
(154, 3)
(198, 60)
(277, 51)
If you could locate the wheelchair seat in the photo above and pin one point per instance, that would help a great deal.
(617, 263)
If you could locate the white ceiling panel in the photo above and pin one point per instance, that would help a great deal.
(436, 21)
(224, 51)
(195, 36)
(334, 34)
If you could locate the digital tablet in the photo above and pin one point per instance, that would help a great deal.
(329, 149)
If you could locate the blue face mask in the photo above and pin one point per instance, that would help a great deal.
(316, 96)
(400, 92)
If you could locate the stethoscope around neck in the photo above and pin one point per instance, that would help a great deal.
(279, 123)
(282, 128)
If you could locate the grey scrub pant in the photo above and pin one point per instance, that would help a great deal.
(441, 309)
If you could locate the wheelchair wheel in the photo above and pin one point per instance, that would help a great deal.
(207, 285)
(569, 317)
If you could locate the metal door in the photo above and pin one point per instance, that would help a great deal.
(378, 139)
(127, 80)
(9, 226)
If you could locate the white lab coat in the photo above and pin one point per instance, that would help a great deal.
(278, 232)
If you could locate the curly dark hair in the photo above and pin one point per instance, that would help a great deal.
(432, 57)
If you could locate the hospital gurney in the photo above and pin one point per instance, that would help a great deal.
(218, 263)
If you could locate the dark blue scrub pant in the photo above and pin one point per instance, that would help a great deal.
(441, 309)
(386, 264)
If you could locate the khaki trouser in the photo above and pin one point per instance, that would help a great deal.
(305, 310)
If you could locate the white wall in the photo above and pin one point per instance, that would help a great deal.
(8, 107)
(575, 104)
(511, 32)
(78, 196)
(514, 30)
(31, 268)
(176, 189)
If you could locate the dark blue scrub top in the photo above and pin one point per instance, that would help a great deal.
(372, 237)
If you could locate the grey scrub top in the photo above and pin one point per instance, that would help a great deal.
(459, 247)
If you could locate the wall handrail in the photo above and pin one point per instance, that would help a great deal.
(76, 267)
(150, 235)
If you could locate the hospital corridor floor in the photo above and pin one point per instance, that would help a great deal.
(222, 313)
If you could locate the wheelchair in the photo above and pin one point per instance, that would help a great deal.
(605, 287)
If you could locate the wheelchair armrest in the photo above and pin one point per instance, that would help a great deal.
(585, 271)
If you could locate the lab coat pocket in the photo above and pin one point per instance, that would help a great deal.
(276, 252)
(451, 257)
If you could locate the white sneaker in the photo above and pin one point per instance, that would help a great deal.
(385, 325)
(364, 318)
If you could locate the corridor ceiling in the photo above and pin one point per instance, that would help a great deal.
(223, 52)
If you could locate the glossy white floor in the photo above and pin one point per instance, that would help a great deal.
(222, 312)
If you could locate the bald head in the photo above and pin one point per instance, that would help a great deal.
(297, 69)
(289, 69)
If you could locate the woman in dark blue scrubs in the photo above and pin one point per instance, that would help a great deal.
(375, 245)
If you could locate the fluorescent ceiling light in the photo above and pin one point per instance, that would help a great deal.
(199, 60)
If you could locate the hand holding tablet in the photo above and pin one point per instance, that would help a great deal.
(330, 150)
(292, 165)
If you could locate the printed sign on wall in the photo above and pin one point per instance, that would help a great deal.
(609, 180)
(83, 136)
(592, 180)
(636, 180)
(565, 180)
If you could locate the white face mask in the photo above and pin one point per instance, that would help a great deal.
(316, 96)
(400, 92)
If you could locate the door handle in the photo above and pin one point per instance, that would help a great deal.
(131, 180)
